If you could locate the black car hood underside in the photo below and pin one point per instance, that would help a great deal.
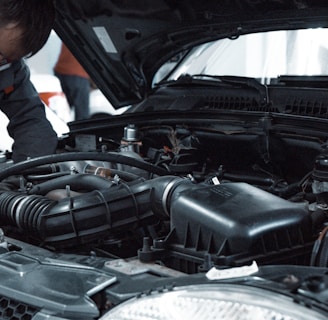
(122, 43)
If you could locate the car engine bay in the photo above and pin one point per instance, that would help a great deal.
(158, 202)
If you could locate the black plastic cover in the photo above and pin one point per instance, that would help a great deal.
(236, 220)
(61, 288)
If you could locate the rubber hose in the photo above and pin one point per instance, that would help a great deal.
(77, 182)
(17, 168)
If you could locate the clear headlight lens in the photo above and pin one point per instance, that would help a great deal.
(203, 302)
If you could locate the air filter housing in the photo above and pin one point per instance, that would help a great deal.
(235, 223)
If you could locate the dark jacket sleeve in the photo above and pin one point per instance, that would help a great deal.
(32, 133)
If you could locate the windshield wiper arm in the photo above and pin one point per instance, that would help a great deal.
(231, 80)
(246, 82)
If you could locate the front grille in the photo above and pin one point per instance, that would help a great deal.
(13, 310)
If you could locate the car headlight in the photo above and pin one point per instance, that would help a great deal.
(233, 302)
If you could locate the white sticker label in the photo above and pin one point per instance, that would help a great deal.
(215, 181)
(216, 274)
(105, 39)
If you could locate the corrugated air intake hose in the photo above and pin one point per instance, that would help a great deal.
(90, 216)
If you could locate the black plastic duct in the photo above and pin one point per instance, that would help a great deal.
(86, 218)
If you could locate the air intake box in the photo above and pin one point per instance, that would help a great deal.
(235, 223)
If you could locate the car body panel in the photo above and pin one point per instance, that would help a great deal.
(207, 197)
(125, 39)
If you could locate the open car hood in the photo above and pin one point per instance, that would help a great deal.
(123, 43)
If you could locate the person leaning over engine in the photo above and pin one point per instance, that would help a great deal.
(25, 26)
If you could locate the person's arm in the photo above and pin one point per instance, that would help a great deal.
(28, 126)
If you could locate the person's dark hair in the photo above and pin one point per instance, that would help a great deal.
(34, 17)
